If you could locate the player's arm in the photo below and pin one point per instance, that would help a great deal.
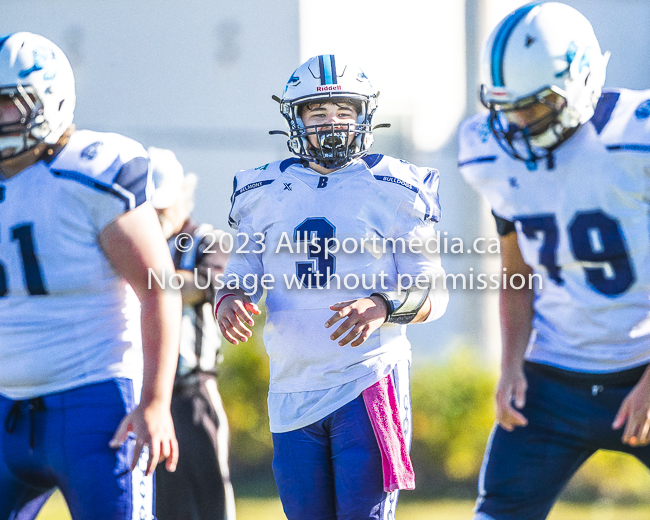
(233, 309)
(366, 315)
(516, 309)
(426, 300)
(635, 411)
(134, 243)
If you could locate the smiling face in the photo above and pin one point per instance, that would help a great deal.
(342, 114)
(330, 129)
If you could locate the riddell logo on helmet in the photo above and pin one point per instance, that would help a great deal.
(328, 87)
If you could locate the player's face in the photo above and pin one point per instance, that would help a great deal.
(537, 115)
(327, 114)
(10, 118)
(9, 112)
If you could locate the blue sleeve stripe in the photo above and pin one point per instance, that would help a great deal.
(629, 147)
(231, 221)
(94, 184)
(395, 180)
(604, 110)
(490, 158)
(133, 177)
(250, 187)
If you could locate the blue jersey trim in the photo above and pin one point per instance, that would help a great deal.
(288, 162)
(395, 180)
(501, 39)
(234, 189)
(133, 176)
(372, 160)
(251, 186)
(93, 184)
(604, 110)
(433, 173)
(236, 192)
(629, 147)
(490, 158)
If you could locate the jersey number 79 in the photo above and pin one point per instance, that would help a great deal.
(596, 241)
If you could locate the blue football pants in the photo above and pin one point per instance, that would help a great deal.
(61, 440)
(525, 470)
(332, 469)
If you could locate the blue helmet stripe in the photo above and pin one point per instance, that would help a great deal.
(501, 39)
(321, 66)
(4, 38)
(325, 65)
(333, 62)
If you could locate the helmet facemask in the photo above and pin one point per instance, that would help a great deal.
(336, 143)
(530, 128)
(24, 134)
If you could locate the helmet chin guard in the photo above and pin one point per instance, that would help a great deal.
(543, 54)
(325, 79)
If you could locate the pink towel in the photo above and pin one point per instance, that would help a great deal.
(381, 403)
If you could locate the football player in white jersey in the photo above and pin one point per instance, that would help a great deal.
(335, 331)
(564, 165)
(77, 241)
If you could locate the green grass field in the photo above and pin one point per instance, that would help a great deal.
(269, 509)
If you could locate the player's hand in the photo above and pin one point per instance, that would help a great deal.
(234, 318)
(511, 391)
(635, 409)
(151, 426)
(363, 317)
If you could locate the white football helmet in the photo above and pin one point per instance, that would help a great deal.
(37, 77)
(321, 79)
(542, 53)
(167, 175)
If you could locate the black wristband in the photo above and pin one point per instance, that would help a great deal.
(389, 304)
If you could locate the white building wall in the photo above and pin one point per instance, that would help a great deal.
(194, 76)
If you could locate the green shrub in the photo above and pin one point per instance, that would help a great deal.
(453, 413)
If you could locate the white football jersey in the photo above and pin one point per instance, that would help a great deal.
(278, 208)
(583, 225)
(66, 317)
